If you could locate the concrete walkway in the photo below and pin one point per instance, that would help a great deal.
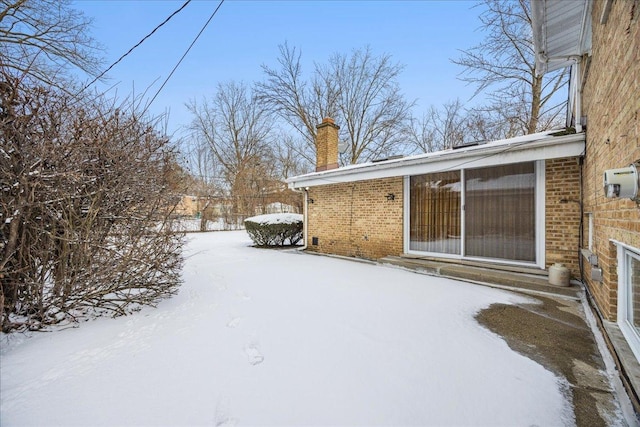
(553, 330)
(528, 280)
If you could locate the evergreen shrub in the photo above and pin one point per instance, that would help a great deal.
(275, 229)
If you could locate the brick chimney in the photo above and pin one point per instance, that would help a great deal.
(327, 145)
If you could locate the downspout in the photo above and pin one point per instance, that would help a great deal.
(578, 95)
(574, 107)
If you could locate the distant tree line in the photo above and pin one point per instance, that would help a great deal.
(244, 139)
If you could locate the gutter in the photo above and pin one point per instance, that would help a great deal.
(546, 146)
(538, 21)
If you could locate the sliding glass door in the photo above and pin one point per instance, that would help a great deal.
(479, 213)
(500, 220)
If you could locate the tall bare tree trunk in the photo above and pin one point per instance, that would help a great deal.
(536, 96)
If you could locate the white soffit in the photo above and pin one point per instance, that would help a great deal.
(561, 32)
(526, 148)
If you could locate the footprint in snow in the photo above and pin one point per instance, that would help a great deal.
(221, 416)
(235, 322)
(243, 295)
(253, 354)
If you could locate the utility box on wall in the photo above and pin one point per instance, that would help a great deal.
(622, 182)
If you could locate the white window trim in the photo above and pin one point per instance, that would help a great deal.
(591, 230)
(541, 213)
(628, 331)
(539, 167)
(463, 211)
(406, 214)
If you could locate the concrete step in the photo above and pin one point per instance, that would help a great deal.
(522, 279)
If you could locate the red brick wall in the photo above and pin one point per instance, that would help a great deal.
(611, 102)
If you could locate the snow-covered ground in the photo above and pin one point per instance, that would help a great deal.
(273, 337)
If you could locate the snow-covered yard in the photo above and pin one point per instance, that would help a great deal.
(282, 338)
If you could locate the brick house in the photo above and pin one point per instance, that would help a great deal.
(525, 202)
(600, 41)
(519, 197)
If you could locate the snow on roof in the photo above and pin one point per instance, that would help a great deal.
(538, 146)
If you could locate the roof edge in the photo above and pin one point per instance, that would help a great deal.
(536, 147)
(545, 15)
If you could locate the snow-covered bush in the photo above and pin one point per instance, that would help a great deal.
(275, 229)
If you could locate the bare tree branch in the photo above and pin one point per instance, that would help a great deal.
(505, 61)
(360, 91)
(44, 39)
(238, 133)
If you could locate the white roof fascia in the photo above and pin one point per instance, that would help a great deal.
(514, 150)
(561, 32)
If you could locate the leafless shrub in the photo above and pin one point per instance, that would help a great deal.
(86, 194)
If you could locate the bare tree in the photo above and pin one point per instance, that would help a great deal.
(505, 61)
(87, 190)
(237, 132)
(360, 91)
(43, 39)
(299, 103)
(440, 128)
(449, 124)
(204, 178)
(372, 110)
(422, 135)
(287, 157)
(492, 123)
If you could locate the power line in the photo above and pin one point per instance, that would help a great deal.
(135, 46)
(183, 56)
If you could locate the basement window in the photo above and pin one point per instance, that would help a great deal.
(629, 295)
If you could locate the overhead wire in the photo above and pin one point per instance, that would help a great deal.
(183, 56)
(134, 47)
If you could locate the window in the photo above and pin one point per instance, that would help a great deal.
(590, 231)
(481, 213)
(629, 296)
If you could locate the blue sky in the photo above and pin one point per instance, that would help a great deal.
(421, 35)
